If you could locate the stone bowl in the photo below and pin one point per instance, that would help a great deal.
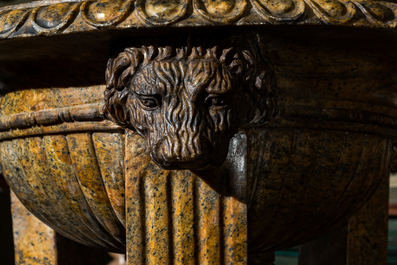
(305, 171)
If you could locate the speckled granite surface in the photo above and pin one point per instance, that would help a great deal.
(318, 158)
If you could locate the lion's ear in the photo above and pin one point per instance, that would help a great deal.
(237, 67)
(248, 57)
(262, 98)
(241, 63)
(116, 70)
(118, 73)
(260, 81)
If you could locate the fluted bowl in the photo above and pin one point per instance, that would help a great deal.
(296, 176)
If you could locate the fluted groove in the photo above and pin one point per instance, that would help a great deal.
(221, 230)
(135, 162)
(340, 173)
(285, 173)
(337, 177)
(64, 176)
(184, 222)
(22, 187)
(88, 174)
(174, 217)
(182, 212)
(170, 226)
(375, 171)
(156, 215)
(305, 169)
(336, 181)
(234, 231)
(76, 184)
(109, 150)
(208, 224)
(355, 146)
(195, 218)
(354, 182)
(270, 172)
(328, 169)
(41, 172)
(26, 158)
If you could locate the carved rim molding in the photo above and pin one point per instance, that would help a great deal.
(80, 118)
(90, 117)
(64, 16)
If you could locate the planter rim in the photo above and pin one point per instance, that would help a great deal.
(56, 17)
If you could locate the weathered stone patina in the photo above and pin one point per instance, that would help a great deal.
(221, 132)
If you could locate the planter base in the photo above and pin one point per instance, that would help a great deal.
(360, 241)
(37, 244)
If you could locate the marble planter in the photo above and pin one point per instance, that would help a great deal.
(303, 156)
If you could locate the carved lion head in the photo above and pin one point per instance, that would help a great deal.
(188, 100)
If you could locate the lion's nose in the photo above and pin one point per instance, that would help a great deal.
(201, 158)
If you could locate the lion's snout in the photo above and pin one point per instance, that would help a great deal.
(204, 157)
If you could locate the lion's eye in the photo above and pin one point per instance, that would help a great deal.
(149, 102)
(216, 101)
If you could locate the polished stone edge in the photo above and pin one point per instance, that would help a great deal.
(26, 124)
(88, 112)
(65, 128)
(79, 118)
(81, 16)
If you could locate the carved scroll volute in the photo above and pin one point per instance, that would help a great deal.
(187, 100)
